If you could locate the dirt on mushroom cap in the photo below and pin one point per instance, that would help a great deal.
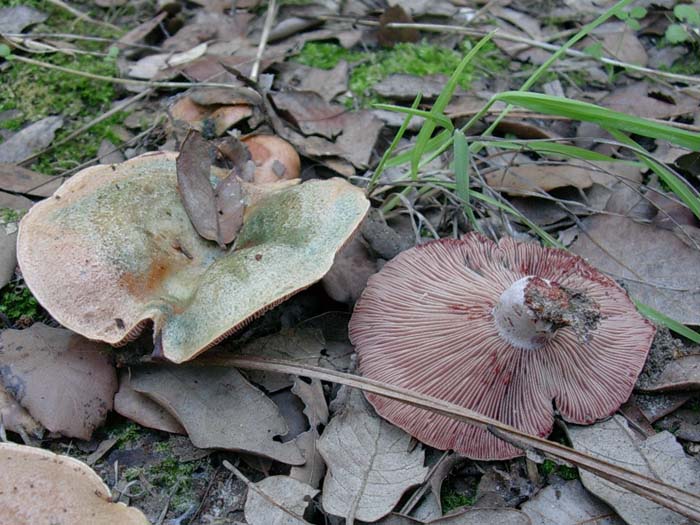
(425, 322)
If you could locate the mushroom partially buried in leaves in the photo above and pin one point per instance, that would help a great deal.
(503, 329)
(114, 249)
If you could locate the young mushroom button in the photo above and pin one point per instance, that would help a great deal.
(503, 329)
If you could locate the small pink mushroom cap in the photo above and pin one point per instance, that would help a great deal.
(503, 329)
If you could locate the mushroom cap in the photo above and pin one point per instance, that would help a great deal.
(114, 249)
(270, 154)
(38, 486)
(425, 322)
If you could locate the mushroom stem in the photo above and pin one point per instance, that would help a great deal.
(531, 310)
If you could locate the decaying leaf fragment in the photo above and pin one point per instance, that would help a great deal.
(66, 382)
(283, 501)
(38, 486)
(658, 457)
(218, 408)
(369, 463)
(568, 504)
(501, 516)
(142, 409)
(114, 250)
(215, 212)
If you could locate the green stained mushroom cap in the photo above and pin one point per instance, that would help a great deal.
(113, 249)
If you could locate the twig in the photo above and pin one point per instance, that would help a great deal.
(252, 95)
(82, 16)
(71, 36)
(252, 486)
(199, 508)
(116, 109)
(269, 20)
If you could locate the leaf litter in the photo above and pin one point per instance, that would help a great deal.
(318, 110)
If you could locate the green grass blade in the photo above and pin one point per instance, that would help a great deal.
(546, 238)
(395, 142)
(440, 119)
(673, 325)
(434, 143)
(554, 148)
(461, 164)
(604, 117)
(678, 187)
(440, 104)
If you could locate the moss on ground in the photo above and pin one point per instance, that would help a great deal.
(17, 302)
(37, 92)
(421, 59)
(454, 500)
(564, 472)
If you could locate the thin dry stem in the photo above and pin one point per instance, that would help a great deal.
(673, 498)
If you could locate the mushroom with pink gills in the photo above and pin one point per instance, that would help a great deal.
(504, 329)
(113, 250)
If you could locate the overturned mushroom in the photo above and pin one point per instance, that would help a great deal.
(502, 329)
(113, 250)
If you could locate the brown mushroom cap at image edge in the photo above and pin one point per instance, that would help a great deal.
(503, 329)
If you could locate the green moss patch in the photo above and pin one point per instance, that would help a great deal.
(17, 302)
(37, 92)
(421, 59)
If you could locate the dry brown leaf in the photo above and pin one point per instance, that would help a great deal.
(328, 83)
(229, 208)
(656, 266)
(29, 140)
(216, 214)
(21, 180)
(311, 113)
(139, 33)
(218, 408)
(684, 424)
(388, 36)
(15, 202)
(348, 276)
(193, 183)
(355, 132)
(316, 412)
(40, 487)
(659, 457)
(283, 503)
(15, 19)
(680, 374)
(650, 101)
(619, 41)
(465, 517)
(568, 504)
(528, 179)
(142, 409)
(369, 463)
(65, 381)
(301, 345)
(405, 88)
(656, 406)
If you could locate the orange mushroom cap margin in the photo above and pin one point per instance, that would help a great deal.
(426, 322)
(113, 249)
